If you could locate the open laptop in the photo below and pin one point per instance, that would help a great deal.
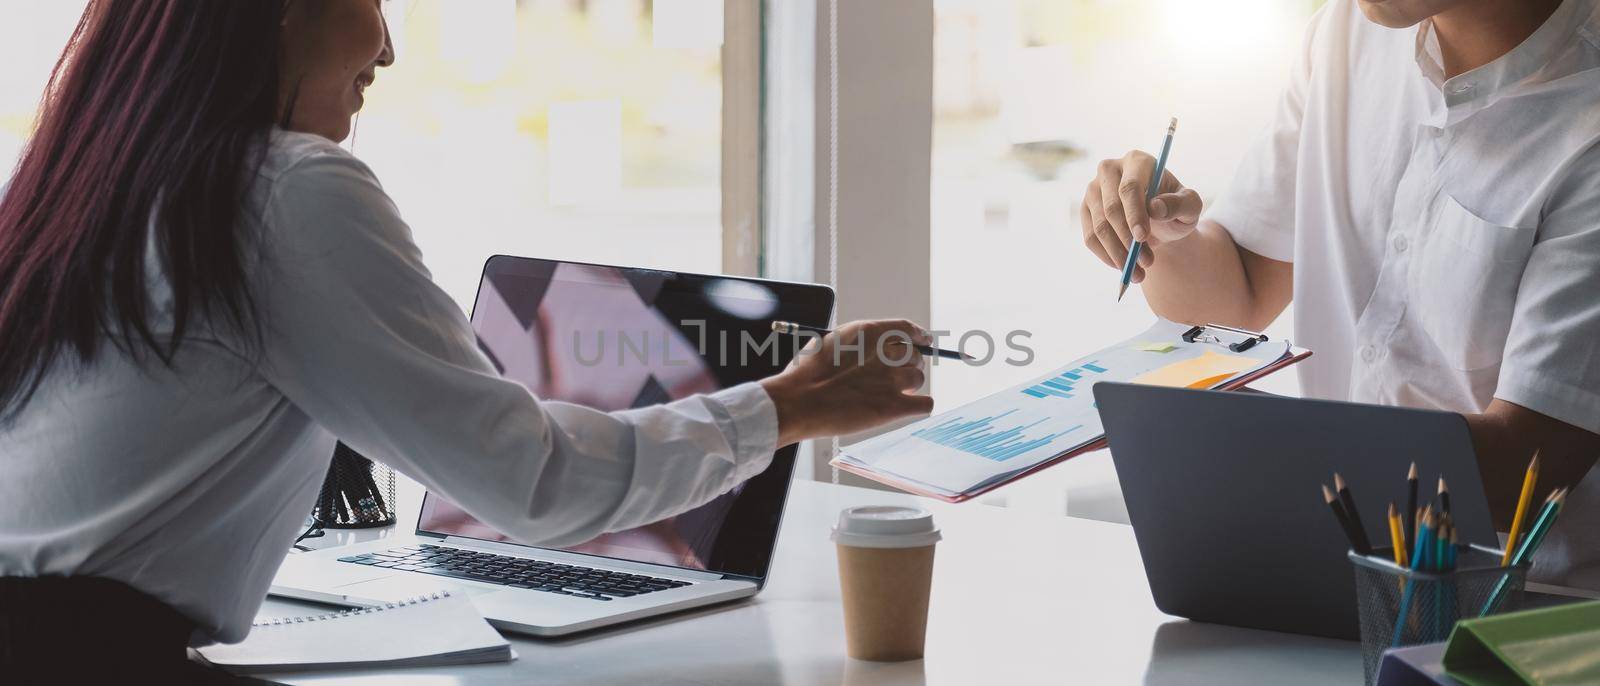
(664, 335)
(1224, 493)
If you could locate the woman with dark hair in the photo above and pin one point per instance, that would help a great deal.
(199, 290)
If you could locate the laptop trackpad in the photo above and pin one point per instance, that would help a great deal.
(323, 574)
(406, 586)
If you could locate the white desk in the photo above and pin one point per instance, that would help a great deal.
(1018, 598)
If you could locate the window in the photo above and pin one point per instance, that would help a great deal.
(572, 129)
(31, 39)
(568, 129)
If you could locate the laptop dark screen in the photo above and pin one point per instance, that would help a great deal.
(615, 338)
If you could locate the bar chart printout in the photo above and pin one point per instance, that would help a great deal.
(983, 438)
(1065, 384)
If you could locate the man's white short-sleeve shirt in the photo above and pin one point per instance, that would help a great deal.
(1445, 232)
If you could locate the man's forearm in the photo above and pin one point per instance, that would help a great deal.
(1206, 279)
(1505, 437)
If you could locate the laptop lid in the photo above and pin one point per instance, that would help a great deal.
(1223, 491)
(615, 338)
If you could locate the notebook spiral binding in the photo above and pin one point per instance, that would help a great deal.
(286, 621)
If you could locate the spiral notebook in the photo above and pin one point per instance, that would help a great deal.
(438, 629)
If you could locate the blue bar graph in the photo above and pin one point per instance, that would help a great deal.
(982, 438)
(1064, 385)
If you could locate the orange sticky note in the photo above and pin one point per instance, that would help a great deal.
(1204, 371)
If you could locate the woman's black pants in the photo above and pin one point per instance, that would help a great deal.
(89, 630)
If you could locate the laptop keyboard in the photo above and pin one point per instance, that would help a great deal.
(515, 572)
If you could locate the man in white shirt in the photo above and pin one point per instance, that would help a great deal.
(1429, 196)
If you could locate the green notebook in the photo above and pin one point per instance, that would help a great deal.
(1553, 646)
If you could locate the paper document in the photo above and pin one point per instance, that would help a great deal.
(994, 438)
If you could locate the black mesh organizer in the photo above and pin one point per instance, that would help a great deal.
(1400, 607)
(357, 493)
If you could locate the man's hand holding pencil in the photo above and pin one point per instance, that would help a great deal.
(1116, 212)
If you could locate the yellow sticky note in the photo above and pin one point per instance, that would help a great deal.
(1157, 347)
(1204, 371)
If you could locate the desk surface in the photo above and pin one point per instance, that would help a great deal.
(1018, 598)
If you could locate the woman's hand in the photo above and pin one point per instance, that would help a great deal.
(1114, 212)
(862, 375)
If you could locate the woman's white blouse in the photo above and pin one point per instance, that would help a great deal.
(190, 483)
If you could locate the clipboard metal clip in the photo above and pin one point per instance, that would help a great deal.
(1199, 333)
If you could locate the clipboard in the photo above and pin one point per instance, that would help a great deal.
(1164, 336)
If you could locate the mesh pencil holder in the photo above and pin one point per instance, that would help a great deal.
(357, 493)
(1399, 607)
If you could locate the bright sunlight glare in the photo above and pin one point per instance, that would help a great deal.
(1223, 26)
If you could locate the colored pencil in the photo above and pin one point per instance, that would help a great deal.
(1530, 545)
(1396, 537)
(1150, 193)
(1340, 514)
(1410, 528)
(1359, 530)
(1444, 497)
(1441, 564)
(1419, 555)
(1530, 479)
(1398, 540)
(1541, 526)
(1452, 599)
(1419, 562)
(1441, 556)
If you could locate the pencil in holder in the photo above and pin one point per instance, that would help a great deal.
(1400, 607)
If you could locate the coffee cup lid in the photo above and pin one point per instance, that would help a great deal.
(885, 526)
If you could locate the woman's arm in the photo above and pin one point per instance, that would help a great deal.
(360, 339)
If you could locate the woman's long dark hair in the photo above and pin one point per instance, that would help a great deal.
(154, 121)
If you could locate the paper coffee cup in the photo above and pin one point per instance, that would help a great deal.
(885, 574)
